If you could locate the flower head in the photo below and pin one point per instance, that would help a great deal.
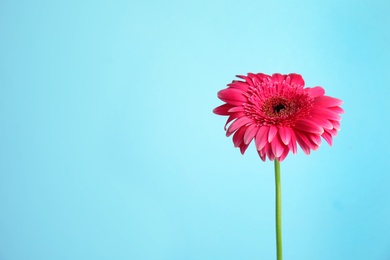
(277, 112)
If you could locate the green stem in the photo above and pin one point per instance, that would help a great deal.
(278, 213)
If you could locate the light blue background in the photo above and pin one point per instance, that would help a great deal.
(109, 148)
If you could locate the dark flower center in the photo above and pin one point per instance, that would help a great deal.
(278, 108)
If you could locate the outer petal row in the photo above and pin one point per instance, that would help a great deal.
(237, 124)
(232, 96)
(281, 143)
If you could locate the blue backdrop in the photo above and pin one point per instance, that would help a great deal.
(109, 148)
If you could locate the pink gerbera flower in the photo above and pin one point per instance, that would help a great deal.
(278, 112)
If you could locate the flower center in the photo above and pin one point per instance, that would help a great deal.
(279, 107)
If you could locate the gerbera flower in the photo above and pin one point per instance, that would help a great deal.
(277, 112)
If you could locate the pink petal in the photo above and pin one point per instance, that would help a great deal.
(232, 96)
(247, 79)
(296, 79)
(238, 84)
(284, 154)
(256, 81)
(305, 138)
(316, 91)
(238, 136)
(243, 148)
(261, 137)
(333, 132)
(336, 125)
(273, 130)
(262, 155)
(327, 137)
(278, 78)
(264, 77)
(238, 123)
(222, 110)
(237, 109)
(232, 117)
(337, 110)
(305, 147)
(321, 121)
(277, 147)
(326, 101)
(268, 151)
(285, 134)
(316, 139)
(309, 126)
(292, 145)
(250, 133)
(325, 113)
